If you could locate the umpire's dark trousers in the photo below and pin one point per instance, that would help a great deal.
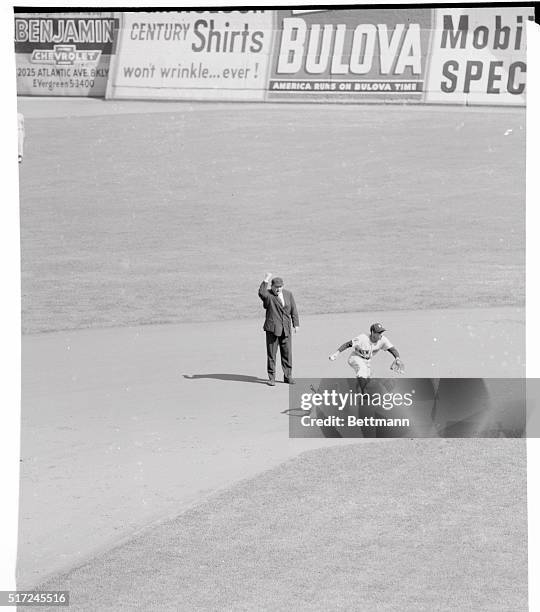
(285, 349)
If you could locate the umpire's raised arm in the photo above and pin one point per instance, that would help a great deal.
(263, 289)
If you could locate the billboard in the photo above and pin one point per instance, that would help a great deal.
(354, 55)
(195, 55)
(416, 55)
(479, 56)
(63, 55)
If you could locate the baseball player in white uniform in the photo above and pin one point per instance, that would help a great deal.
(20, 130)
(364, 347)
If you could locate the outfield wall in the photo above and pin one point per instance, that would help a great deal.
(417, 55)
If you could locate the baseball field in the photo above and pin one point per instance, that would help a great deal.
(152, 451)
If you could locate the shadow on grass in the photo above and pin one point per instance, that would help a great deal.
(233, 377)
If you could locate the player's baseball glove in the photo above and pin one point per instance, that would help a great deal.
(398, 366)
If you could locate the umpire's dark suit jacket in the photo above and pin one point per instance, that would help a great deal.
(278, 317)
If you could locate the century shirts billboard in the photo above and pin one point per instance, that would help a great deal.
(196, 55)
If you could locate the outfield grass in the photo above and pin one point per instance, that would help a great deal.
(393, 526)
(170, 217)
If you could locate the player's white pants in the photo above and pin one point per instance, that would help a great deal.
(361, 366)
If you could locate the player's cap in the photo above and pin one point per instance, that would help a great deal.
(377, 328)
(277, 282)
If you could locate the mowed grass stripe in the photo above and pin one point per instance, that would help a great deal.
(401, 525)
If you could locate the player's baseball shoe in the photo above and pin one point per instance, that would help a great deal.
(289, 381)
(271, 382)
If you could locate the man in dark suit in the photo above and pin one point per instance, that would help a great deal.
(281, 317)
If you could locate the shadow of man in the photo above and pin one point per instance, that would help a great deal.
(231, 377)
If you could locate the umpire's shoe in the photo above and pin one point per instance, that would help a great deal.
(289, 381)
(271, 382)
